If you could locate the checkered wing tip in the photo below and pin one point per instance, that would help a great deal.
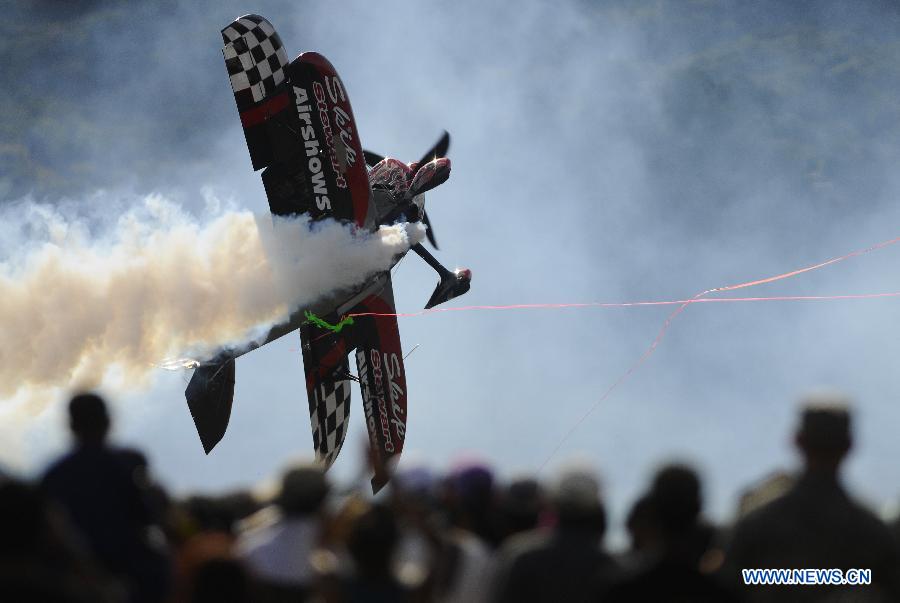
(329, 416)
(255, 59)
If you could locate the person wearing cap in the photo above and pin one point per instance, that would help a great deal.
(816, 523)
(279, 552)
(521, 505)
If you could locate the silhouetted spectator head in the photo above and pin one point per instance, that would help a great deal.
(576, 497)
(521, 504)
(470, 500)
(303, 491)
(206, 515)
(371, 541)
(677, 499)
(824, 432)
(88, 418)
(414, 492)
(417, 482)
(240, 504)
(473, 486)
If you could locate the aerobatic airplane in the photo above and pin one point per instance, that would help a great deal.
(301, 133)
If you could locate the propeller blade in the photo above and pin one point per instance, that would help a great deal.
(438, 150)
(371, 158)
(429, 232)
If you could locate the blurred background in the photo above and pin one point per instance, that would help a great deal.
(602, 151)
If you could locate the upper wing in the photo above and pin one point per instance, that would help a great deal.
(327, 389)
(257, 67)
(299, 126)
(379, 362)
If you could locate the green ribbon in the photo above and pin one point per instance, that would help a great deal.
(322, 324)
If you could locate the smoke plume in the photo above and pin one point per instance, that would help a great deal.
(159, 283)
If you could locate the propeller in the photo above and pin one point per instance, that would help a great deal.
(429, 232)
(437, 151)
(371, 158)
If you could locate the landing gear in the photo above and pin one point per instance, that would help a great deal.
(452, 284)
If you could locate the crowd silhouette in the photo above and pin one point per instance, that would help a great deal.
(97, 528)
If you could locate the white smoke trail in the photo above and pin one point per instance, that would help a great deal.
(78, 307)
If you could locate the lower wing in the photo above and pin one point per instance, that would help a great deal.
(382, 379)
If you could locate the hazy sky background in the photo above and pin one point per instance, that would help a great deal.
(601, 152)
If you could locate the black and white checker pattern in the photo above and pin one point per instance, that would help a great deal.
(329, 419)
(255, 59)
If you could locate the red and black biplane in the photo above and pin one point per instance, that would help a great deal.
(301, 133)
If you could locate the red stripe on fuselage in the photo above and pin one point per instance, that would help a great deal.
(257, 115)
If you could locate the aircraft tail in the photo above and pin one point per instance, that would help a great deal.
(209, 397)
